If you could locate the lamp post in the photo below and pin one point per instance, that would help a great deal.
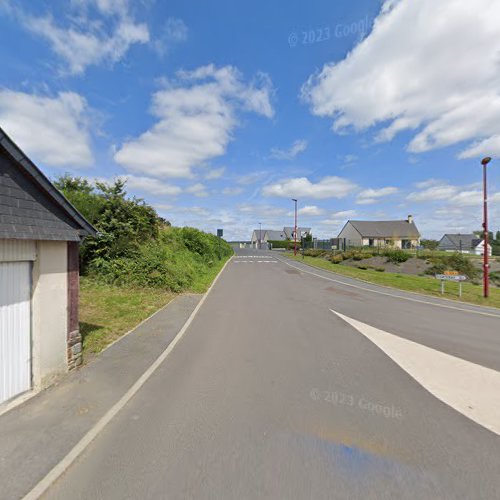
(295, 229)
(486, 278)
(260, 235)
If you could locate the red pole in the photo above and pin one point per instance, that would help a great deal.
(295, 229)
(486, 278)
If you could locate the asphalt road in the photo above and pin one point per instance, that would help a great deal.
(270, 395)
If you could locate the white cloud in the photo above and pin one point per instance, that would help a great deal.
(175, 31)
(215, 173)
(309, 210)
(199, 190)
(152, 186)
(196, 119)
(52, 130)
(432, 193)
(419, 73)
(369, 196)
(252, 178)
(337, 218)
(84, 39)
(295, 149)
(301, 187)
(232, 191)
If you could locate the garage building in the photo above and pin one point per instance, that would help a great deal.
(40, 232)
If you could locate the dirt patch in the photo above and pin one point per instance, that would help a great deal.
(412, 266)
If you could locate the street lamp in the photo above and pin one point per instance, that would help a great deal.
(260, 235)
(295, 229)
(486, 278)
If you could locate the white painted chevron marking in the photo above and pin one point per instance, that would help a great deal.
(471, 389)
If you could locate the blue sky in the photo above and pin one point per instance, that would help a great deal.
(219, 112)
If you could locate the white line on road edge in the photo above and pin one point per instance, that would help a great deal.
(469, 388)
(59, 469)
(390, 294)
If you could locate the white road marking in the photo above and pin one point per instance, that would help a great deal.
(59, 469)
(444, 306)
(471, 389)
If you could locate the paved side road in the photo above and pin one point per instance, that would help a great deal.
(270, 395)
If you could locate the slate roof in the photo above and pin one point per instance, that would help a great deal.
(274, 235)
(300, 230)
(461, 241)
(386, 229)
(30, 206)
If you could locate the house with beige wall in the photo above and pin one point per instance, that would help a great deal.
(40, 232)
(378, 234)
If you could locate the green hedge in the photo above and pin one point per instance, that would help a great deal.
(174, 261)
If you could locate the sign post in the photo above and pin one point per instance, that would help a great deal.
(451, 276)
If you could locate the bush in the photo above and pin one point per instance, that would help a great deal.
(396, 256)
(336, 259)
(172, 262)
(357, 257)
(453, 262)
(315, 252)
(364, 268)
(288, 245)
(380, 269)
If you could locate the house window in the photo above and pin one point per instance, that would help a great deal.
(406, 244)
(371, 242)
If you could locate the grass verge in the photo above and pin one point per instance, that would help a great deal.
(428, 286)
(107, 311)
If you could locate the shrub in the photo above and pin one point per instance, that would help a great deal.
(336, 259)
(396, 256)
(453, 262)
(364, 268)
(380, 269)
(314, 252)
(357, 256)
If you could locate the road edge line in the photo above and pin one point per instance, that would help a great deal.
(55, 473)
(411, 299)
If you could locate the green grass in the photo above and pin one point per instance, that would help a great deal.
(428, 286)
(107, 311)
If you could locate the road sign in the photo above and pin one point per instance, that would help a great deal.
(220, 233)
(451, 277)
(451, 273)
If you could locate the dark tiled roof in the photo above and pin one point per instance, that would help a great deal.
(30, 206)
(462, 241)
(386, 229)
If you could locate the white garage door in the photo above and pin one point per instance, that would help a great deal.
(15, 321)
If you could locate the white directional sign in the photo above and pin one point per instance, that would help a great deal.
(452, 277)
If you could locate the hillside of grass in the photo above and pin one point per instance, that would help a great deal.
(136, 262)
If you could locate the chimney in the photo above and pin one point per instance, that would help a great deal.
(410, 219)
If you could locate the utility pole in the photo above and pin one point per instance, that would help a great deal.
(295, 229)
(486, 278)
(260, 235)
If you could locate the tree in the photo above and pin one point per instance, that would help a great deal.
(429, 244)
(497, 238)
(122, 222)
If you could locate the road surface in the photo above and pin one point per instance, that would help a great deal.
(271, 395)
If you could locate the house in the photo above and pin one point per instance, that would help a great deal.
(301, 232)
(265, 235)
(393, 233)
(40, 233)
(463, 243)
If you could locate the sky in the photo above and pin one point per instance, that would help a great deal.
(218, 113)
